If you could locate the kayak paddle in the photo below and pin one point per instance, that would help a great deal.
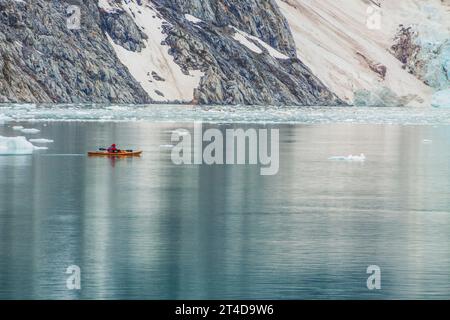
(104, 149)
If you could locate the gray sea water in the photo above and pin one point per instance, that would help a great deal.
(145, 228)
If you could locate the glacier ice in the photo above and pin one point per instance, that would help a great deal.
(437, 68)
(441, 99)
(15, 146)
(381, 97)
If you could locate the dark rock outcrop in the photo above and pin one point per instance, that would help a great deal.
(427, 59)
(42, 60)
(405, 48)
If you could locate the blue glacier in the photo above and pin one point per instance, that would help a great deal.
(441, 99)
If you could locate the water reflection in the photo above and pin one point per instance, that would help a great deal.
(145, 228)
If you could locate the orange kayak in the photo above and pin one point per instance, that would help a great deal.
(115, 154)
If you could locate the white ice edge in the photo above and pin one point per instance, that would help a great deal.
(17, 146)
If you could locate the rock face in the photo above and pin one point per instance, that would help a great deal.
(42, 60)
(406, 49)
(262, 19)
(234, 73)
(243, 50)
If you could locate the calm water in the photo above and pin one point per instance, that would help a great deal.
(146, 228)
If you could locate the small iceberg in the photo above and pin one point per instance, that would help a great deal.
(16, 146)
(426, 141)
(41, 140)
(360, 158)
(30, 131)
(17, 128)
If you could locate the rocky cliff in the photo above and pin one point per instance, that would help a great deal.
(42, 60)
(137, 51)
(277, 52)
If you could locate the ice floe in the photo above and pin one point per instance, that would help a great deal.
(16, 146)
(41, 140)
(17, 128)
(166, 113)
(360, 158)
(4, 119)
(30, 131)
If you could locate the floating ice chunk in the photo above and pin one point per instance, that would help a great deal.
(17, 128)
(41, 140)
(166, 146)
(360, 158)
(427, 141)
(441, 99)
(15, 146)
(4, 119)
(30, 131)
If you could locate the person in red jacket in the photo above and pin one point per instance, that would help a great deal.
(113, 149)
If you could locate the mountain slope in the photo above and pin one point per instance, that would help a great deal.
(334, 40)
(276, 52)
(138, 51)
(224, 53)
(41, 60)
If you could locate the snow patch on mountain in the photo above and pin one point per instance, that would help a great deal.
(153, 67)
(254, 43)
(192, 19)
(242, 38)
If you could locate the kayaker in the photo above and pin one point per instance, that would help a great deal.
(113, 149)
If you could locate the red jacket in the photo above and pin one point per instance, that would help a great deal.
(112, 149)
